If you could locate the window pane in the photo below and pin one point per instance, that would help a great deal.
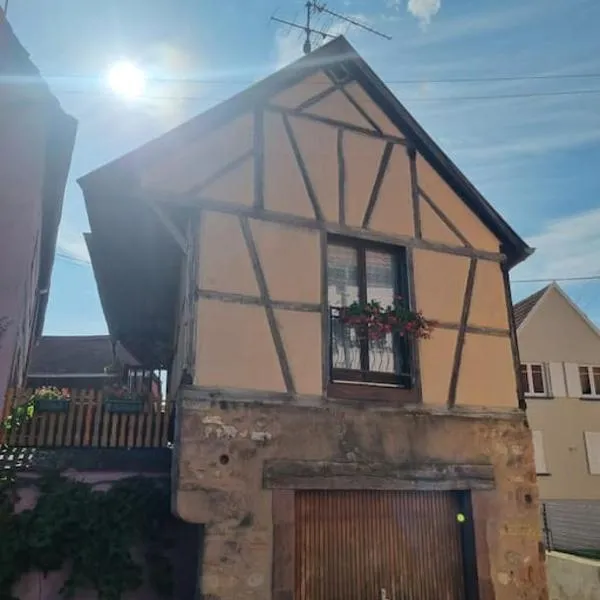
(596, 373)
(381, 276)
(380, 270)
(342, 275)
(584, 378)
(524, 380)
(342, 290)
(537, 378)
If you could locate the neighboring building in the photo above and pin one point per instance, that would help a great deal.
(36, 143)
(560, 355)
(76, 362)
(320, 465)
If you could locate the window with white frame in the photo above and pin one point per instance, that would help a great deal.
(589, 378)
(592, 450)
(533, 379)
(541, 468)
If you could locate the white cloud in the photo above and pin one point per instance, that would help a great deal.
(424, 10)
(566, 247)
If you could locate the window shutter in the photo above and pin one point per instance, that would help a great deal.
(539, 454)
(592, 448)
(556, 380)
(573, 383)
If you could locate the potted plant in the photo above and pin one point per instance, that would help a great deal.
(119, 399)
(374, 321)
(51, 399)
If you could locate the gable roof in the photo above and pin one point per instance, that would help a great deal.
(524, 307)
(75, 355)
(145, 322)
(337, 51)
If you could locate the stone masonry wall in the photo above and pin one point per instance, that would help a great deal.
(221, 448)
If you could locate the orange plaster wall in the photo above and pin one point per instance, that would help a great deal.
(337, 107)
(375, 113)
(440, 282)
(363, 155)
(454, 208)
(290, 259)
(301, 334)
(436, 361)
(393, 213)
(434, 229)
(190, 164)
(318, 145)
(284, 189)
(488, 305)
(487, 375)
(306, 89)
(225, 264)
(235, 347)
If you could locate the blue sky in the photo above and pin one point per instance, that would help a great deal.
(533, 148)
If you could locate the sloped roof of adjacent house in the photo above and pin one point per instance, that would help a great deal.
(77, 355)
(524, 307)
(153, 261)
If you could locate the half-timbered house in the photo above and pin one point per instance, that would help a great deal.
(324, 464)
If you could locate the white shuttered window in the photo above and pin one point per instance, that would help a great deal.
(540, 456)
(592, 449)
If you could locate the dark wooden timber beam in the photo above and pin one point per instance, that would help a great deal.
(495, 331)
(206, 203)
(462, 330)
(341, 176)
(230, 166)
(310, 190)
(319, 475)
(444, 218)
(337, 124)
(383, 165)
(257, 301)
(361, 110)
(414, 190)
(266, 300)
(259, 159)
(317, 98)
(513, 338)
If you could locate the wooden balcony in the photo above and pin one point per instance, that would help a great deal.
(89, 423)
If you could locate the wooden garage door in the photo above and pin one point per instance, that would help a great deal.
(370, 545)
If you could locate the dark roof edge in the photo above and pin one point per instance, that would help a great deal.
(59, 155)
(515, 247)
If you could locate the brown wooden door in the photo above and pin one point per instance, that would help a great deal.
(370, 545)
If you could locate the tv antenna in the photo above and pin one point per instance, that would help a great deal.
(314, 8)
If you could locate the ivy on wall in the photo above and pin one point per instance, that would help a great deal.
(95, 534)
(107, 541)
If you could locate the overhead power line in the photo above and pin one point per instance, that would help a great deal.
(547, 279)
(403, 99)
(507, 78)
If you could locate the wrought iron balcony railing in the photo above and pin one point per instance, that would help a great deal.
(354, 356)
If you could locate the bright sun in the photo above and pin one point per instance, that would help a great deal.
(126, 79)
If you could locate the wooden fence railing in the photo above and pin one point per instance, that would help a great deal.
(88, 423)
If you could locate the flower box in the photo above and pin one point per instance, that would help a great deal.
(50, 399)
(124, 404)
(52, 405)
